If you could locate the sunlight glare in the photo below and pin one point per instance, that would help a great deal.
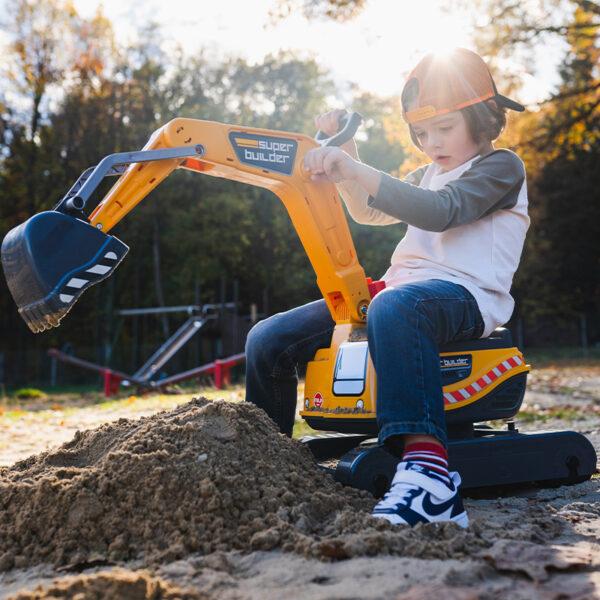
(375, 51)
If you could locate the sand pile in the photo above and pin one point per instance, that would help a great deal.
(205, 477)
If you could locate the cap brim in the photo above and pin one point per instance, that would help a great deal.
(508, 103)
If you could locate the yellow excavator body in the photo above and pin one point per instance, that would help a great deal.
(53, 257)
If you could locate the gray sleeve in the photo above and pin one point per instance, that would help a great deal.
(356, 200)
(491, 183)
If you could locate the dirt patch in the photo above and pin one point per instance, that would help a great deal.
(113, 585)
(209, 501)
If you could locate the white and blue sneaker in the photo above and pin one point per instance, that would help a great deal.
(418, 495)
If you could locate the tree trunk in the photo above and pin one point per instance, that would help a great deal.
(157, 274)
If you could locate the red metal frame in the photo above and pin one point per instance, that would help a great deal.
(220, 369)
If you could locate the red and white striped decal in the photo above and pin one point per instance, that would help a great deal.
(491, 376)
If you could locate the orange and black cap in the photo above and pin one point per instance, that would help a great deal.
(441, 85)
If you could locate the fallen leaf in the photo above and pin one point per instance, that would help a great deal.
(438, 592)
(582, 587)
(333, 549)
(535, 559)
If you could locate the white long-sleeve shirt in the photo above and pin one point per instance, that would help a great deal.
(466, 225)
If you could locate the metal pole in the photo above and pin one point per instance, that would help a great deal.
(53, 373)
(584, 336)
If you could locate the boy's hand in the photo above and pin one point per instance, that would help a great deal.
(329, 122)
(339, 164)
(330, 164)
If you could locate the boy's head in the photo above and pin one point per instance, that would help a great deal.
(458, 81)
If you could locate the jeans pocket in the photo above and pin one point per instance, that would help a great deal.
(472, 325)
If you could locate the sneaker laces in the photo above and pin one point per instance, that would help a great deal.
(399, 493)
(402, 492)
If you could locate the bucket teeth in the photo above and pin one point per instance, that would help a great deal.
(41, 317)
(50, 260)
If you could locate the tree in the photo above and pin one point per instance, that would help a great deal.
(246, 232)
(524, 31)
(337, 10)
(560, 144)
(49, 45)
(50, 48)
(559, 275)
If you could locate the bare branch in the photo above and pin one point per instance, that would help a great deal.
(336, 10)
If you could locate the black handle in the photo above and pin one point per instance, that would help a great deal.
(348, 124)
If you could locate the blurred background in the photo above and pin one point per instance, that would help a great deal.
(80, 80)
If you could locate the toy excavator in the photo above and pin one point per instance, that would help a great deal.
(52, 258)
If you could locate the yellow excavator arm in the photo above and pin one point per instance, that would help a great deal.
(269, 159)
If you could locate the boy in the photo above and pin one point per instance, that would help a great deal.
(449, 277)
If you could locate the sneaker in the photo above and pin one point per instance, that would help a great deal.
(417, 495)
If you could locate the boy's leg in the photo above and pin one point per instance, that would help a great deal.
(406, 325)
(274, 348)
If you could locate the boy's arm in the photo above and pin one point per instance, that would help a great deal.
(357, 182)
(354, 192)
(492, 183)
(356, 199)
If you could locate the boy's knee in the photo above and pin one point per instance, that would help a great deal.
(265, 343)
(392, 303)
(258, 338)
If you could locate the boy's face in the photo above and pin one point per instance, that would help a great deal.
(447, 141)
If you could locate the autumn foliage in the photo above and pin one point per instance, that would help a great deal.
(71, 94)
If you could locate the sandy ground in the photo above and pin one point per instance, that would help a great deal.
(535, 543)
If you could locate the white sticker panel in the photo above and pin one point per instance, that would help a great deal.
(350, 369)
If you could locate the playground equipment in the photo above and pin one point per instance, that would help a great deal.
(145, 377)
(220, 369)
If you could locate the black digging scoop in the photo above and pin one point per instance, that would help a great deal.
(50, 260)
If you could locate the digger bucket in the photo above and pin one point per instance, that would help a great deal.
(50, 260)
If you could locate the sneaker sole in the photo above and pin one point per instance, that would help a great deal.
(461, 520)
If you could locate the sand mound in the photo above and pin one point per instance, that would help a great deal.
(205, 477)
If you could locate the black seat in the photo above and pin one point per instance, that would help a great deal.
(500, 338)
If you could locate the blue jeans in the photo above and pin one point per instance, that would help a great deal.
(405, 326)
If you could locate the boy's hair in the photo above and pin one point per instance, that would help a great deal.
(485, 120)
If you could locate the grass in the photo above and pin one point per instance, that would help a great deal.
(69, 401)
(563, 357)
(564, 413)
(301, 429)
(29, 393)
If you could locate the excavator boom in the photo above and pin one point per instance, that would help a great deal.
(47, 272)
